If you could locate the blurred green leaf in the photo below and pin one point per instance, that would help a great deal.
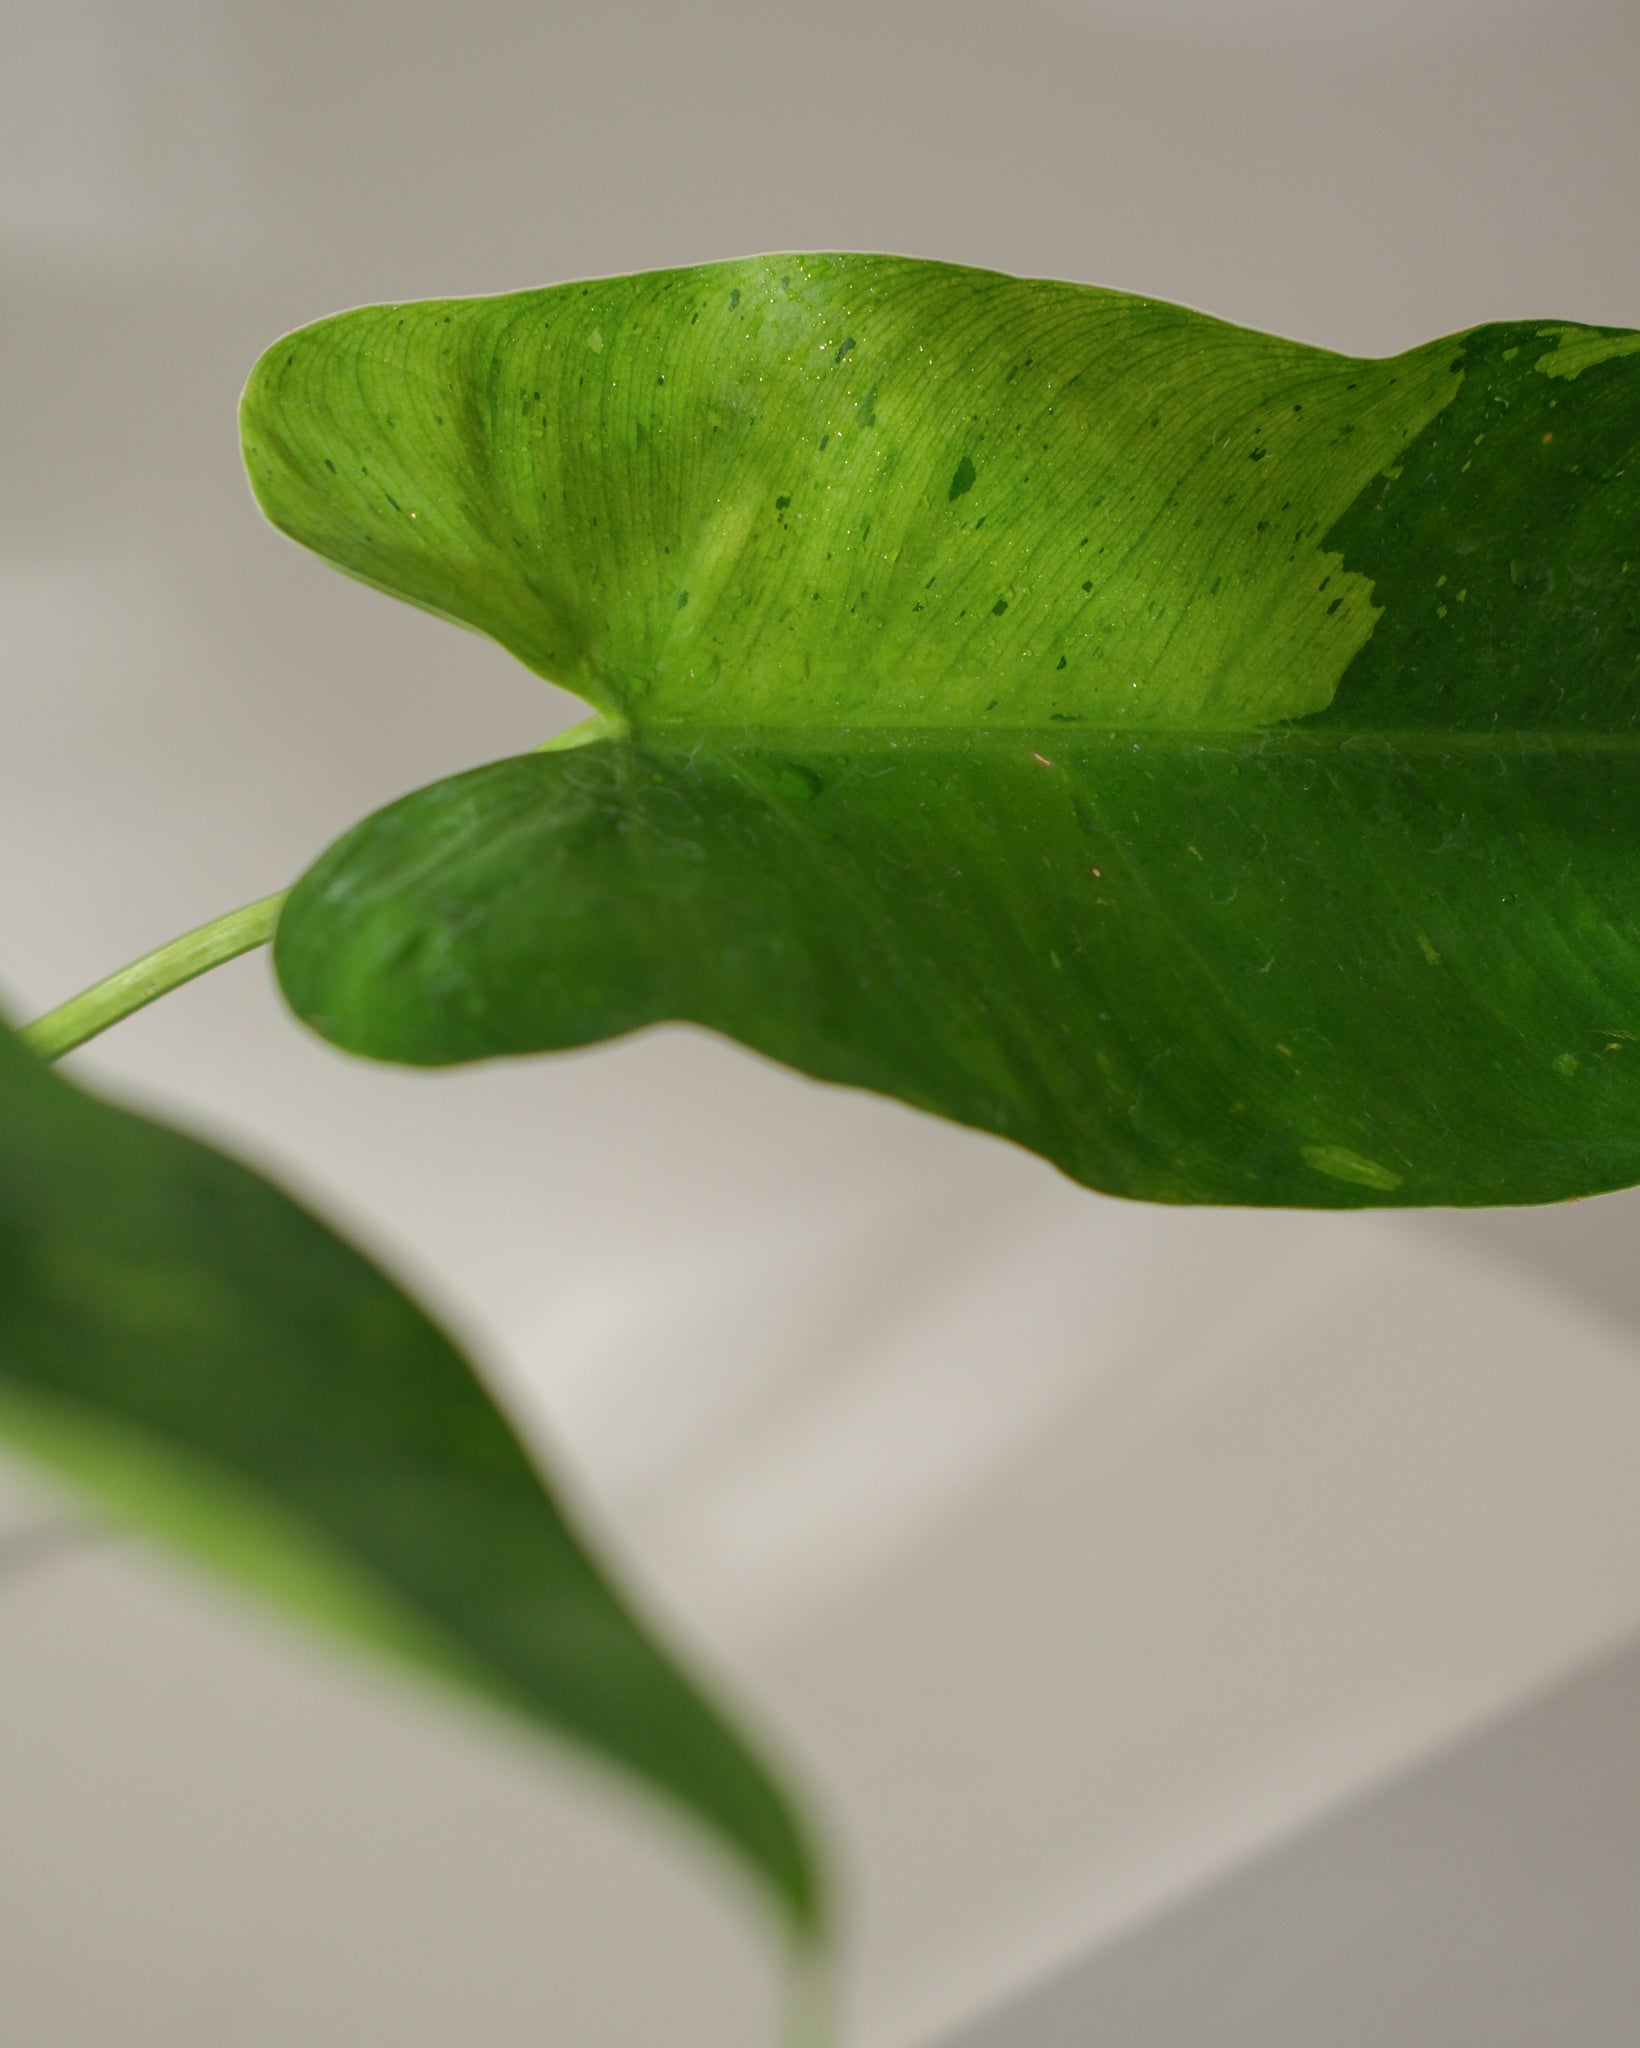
(1207, 760)
(208, 1358)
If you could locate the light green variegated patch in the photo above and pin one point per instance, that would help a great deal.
(816, 490)
(1579, 348)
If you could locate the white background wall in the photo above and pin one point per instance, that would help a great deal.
(1080, 1552)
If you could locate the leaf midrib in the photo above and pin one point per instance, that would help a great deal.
(1329, 738)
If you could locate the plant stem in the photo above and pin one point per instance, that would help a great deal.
(154, 975)
(809, 2019)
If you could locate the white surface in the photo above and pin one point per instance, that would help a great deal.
(1483, 1900)
(1079, 1550)
(1312, 26)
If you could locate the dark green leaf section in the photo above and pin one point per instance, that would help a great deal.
(1206, 760)
(1290, 967)
(180, 1336)
(1504, 551)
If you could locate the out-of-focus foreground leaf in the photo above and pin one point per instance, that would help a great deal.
(185, 1340)
(1210, 761)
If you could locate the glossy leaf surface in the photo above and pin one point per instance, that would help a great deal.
(1207, 760)
(208, 1358)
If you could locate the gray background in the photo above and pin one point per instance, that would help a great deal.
(1197, 1628)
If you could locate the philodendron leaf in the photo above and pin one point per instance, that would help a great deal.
(1207, 760)
(211, 1360)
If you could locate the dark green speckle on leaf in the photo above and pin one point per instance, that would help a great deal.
(963, 481)
(801, 785)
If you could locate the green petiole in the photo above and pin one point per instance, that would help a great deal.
(131, 988)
